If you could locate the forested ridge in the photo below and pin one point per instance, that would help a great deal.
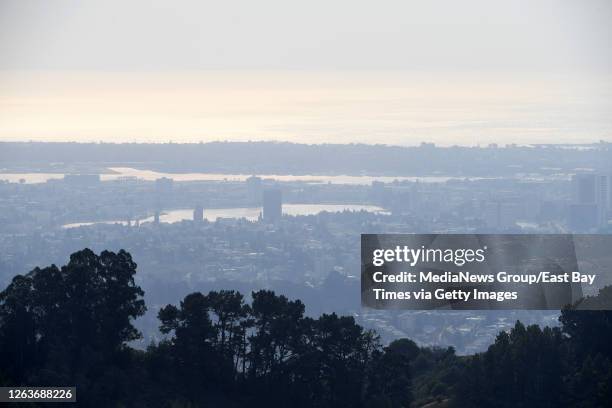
(72, 326)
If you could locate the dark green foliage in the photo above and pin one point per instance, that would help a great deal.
(523, 368)
(72, 326)
(436, 372)
(589, 358)
(390, 379)
(267, 353)
(570, 366)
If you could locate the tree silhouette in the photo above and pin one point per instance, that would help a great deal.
(70, 324)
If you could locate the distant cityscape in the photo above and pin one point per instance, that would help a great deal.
(298, 236)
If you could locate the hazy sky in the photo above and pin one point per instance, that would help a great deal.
(465, 72)
(315, 34)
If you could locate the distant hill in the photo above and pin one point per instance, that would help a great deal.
(291, 158)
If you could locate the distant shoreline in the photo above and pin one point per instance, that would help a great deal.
(262, 158)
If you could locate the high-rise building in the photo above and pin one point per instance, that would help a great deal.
(610, 191)
(272, 205)
(164, 185)
(590, 200)
(584, 188)
(163, 191)
(198, 214)
(608, 164)
(603, 198)
(254, 186)
(608, 171)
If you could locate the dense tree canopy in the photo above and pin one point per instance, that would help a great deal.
(569, 365)
(73, 326)
(67, 325)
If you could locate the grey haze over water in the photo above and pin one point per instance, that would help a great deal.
(396, 72)
(397, 108)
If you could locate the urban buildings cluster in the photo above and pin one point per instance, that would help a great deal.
(241, 234)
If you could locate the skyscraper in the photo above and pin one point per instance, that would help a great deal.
(584, 188)
(198, 214)
(254, 186)
(609, 171)
(590, 196)
(164, 185)
(603, 197)
(272, 205)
